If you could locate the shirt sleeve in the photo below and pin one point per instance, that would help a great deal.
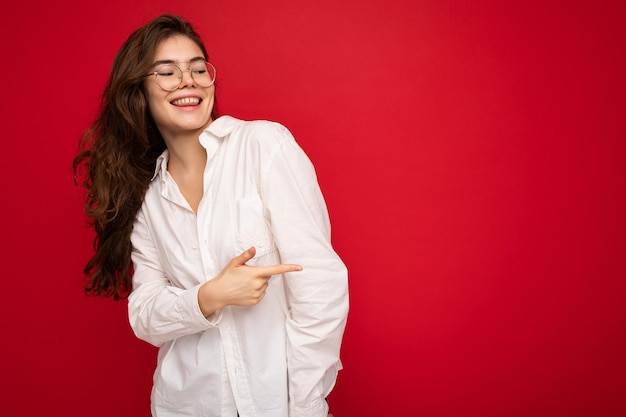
(318, 295)
(158, 311)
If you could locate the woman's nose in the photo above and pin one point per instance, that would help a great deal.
(187, 78)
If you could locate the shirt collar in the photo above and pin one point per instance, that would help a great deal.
(221, 127)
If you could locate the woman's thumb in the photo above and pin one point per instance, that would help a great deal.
(245, 256)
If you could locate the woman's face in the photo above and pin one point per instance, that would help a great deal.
(188, 108)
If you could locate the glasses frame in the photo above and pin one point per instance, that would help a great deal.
(182, 73)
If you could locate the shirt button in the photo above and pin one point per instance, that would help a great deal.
(194, 246)
(260, 244)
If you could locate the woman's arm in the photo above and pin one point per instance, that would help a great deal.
(160, 312)
(317, 296)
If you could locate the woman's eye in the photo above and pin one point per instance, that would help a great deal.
(166, 72)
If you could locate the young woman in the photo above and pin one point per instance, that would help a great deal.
(217, 232)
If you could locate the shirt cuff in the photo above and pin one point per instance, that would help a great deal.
(189, 307)
(314, 409)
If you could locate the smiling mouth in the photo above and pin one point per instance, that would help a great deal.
(187, 101)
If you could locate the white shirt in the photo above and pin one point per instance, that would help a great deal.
(279, 358)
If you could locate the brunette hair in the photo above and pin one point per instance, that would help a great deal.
(117, 156)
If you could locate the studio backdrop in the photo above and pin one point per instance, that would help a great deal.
(472, 157)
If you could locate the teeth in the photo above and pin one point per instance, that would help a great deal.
(186, 101)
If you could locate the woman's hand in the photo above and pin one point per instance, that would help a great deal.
(239, 284)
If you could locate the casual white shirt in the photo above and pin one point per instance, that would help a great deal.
(279, 358)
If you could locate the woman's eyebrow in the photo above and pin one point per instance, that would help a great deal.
(171, 61)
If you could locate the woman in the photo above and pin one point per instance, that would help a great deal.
(216, 230)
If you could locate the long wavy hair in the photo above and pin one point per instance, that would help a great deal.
(117, 156)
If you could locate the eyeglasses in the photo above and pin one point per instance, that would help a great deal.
(170, 76)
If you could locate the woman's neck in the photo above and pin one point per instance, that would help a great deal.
(187, 160)
(186, 154)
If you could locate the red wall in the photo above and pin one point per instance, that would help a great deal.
(472, 154)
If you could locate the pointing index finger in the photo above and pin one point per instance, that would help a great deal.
(278, 269)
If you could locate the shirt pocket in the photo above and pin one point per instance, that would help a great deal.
(251, 227)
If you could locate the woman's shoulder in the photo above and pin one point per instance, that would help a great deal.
(255, 131)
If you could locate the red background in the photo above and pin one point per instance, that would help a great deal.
(472, 154)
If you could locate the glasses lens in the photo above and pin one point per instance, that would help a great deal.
(168, 77)
(203, 73)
